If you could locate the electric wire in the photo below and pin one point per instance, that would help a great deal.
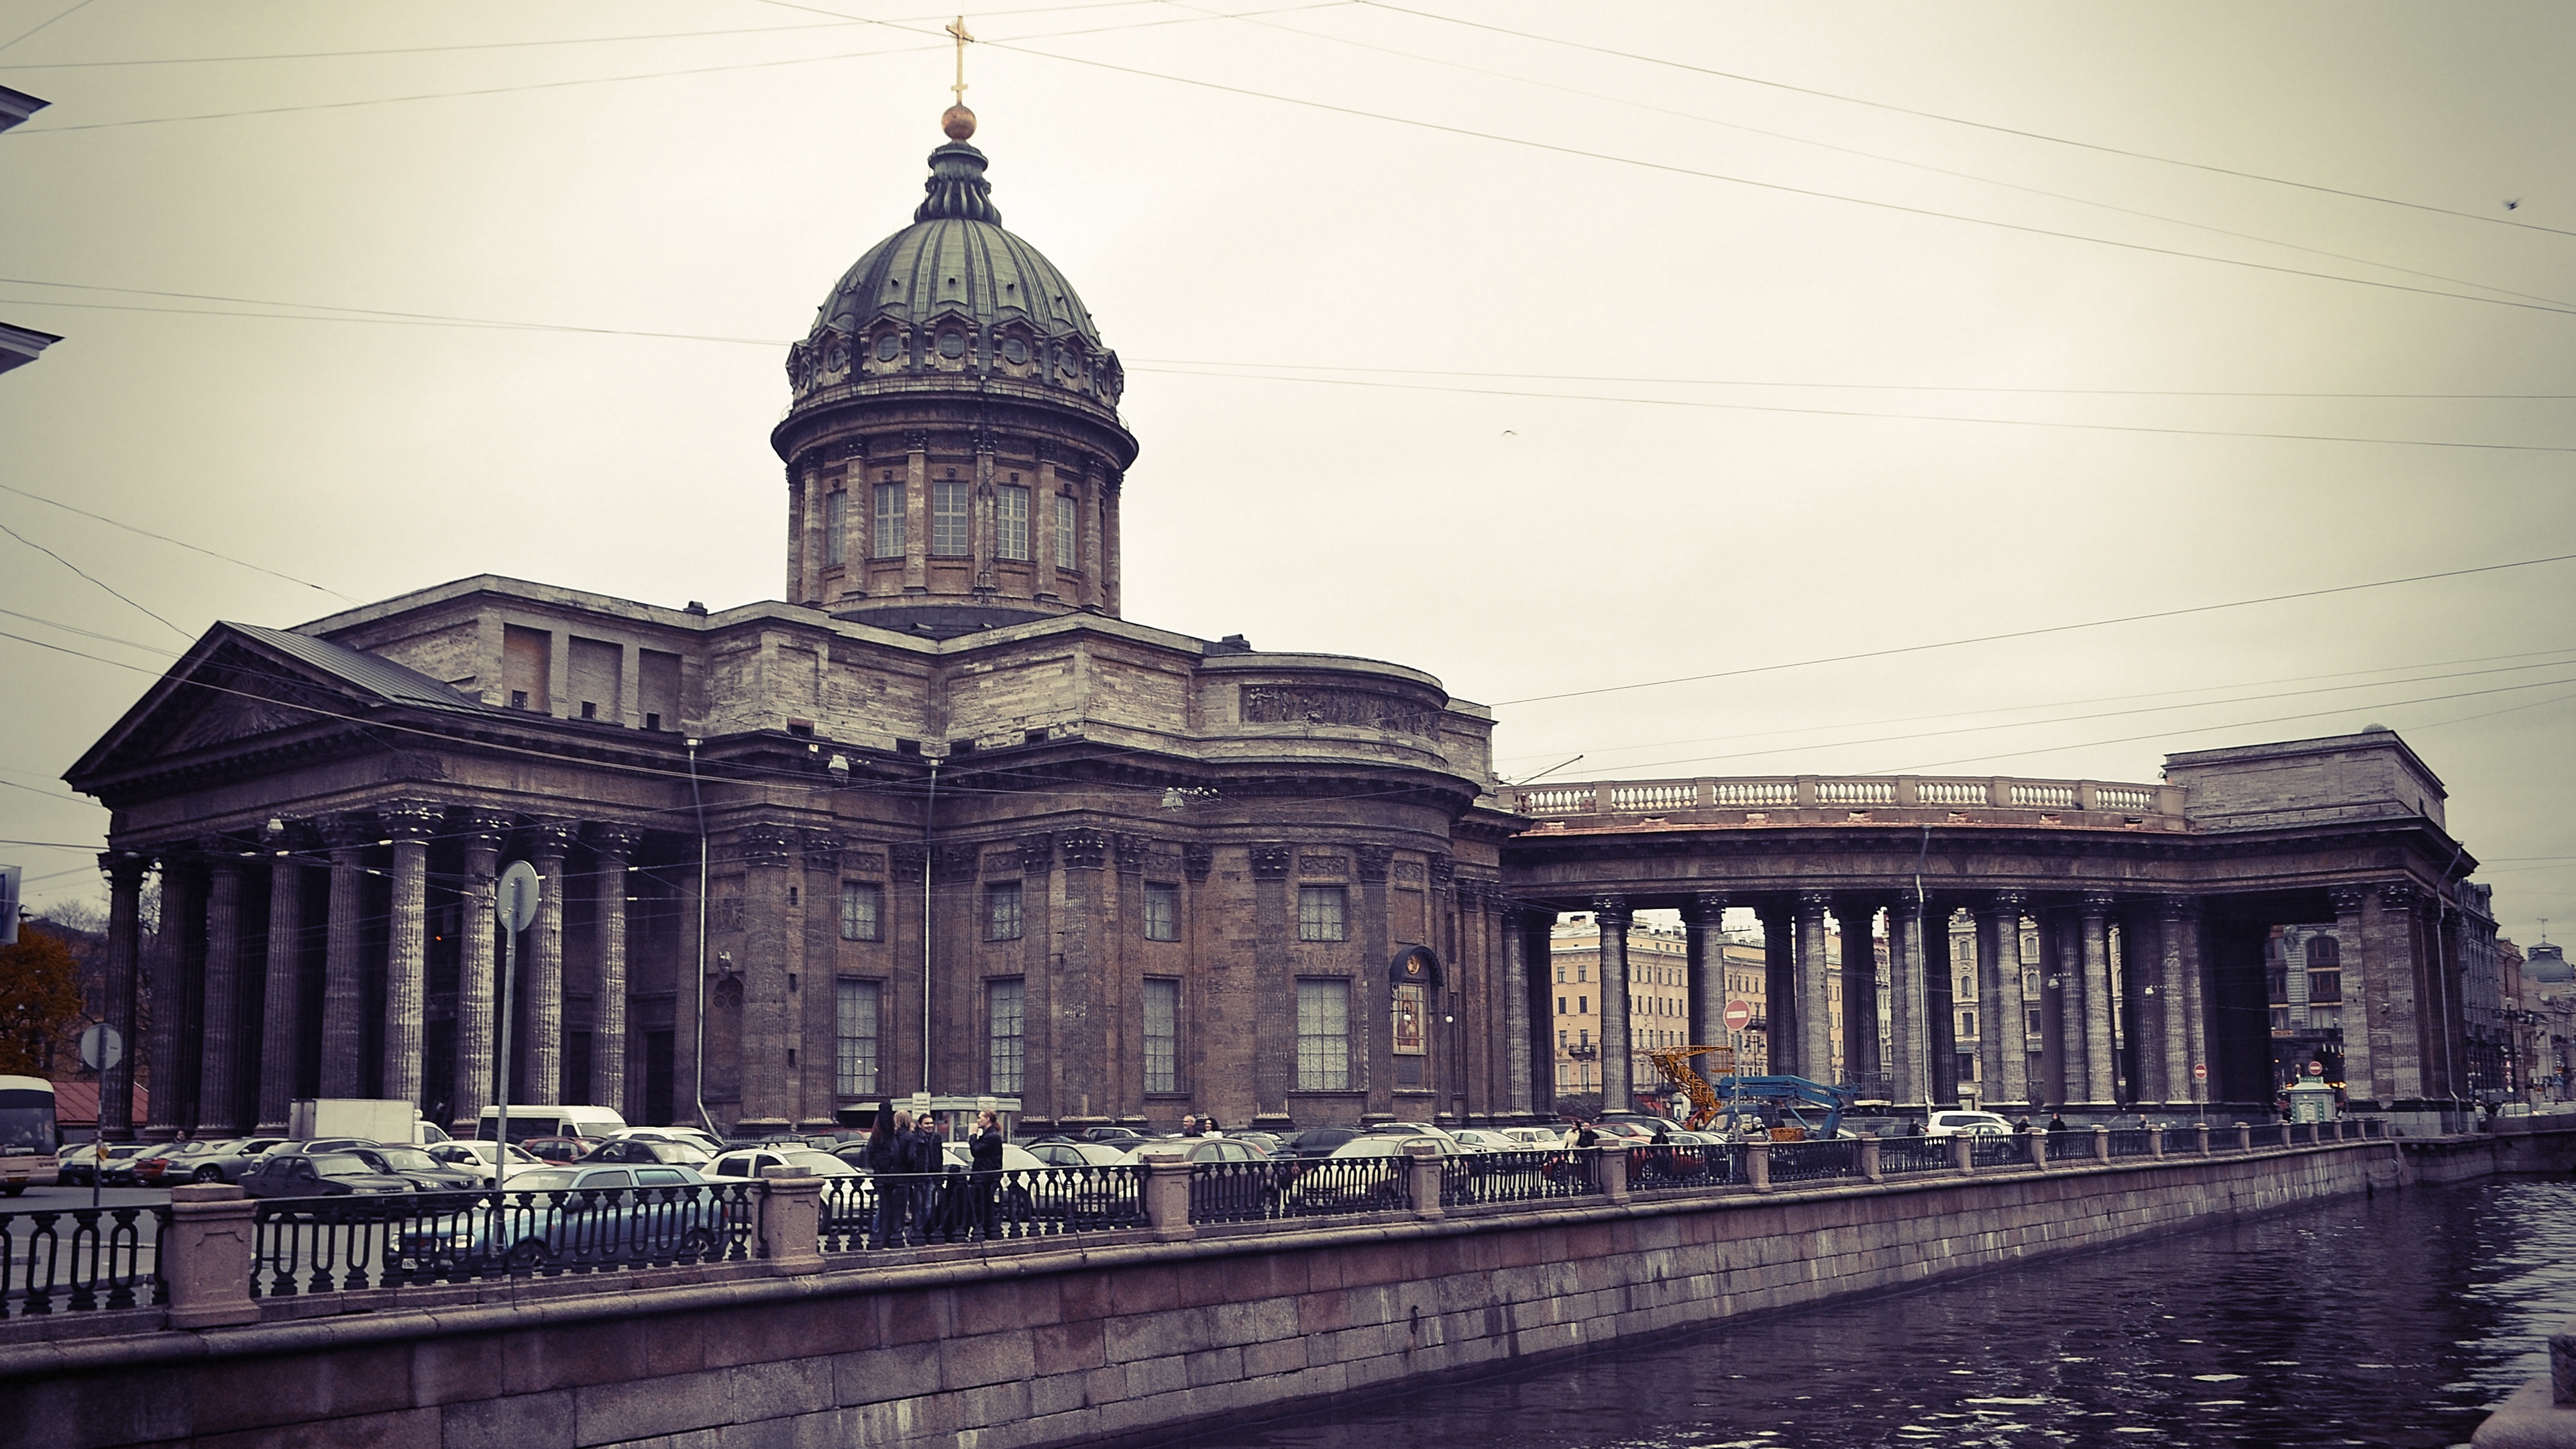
(1978, 125)
(12, 42)
(2042, 630)
(76, 568)
(165, 538)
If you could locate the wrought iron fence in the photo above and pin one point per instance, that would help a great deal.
(1298, 1187)
(80, 1260)
(1814, 1161)
(1991, 1151)
(392, 1240)
(910, 1210)
(1914, 1154)
(1534, 1176)
(1704, 1164)
(2133, 1141)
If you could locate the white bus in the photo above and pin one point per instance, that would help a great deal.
(28, 1139)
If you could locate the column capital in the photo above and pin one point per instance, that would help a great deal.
(1814, 905)
(2186, 909)
(907, 860)
(345, 831)
(481, 829)
(553, 839)
(2398, 895)
(1197, 861)
(821, 847)
(1442, 869)
(1271, 862)
(2097, 904)
(2008, 901)
(123, 867)
(1612, 912)
(616, 842)
(1132, 850)
(1037, 853)
(409, 820)
(1707, 909)
(1089, 850)
(1372, 863)
(766, 844)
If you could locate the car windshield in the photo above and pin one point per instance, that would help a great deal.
(341, 1164)
(543, 1179)
(407, 1159)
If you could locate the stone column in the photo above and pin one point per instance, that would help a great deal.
(409, 824)
(2095, 913)
(2062, 974)
(615, 846)
(2142, 965)
(1704, 957)
(2395, 973)
(1274, 928)
(478, 966)
(1611, 915)
(1857, 915)
(2365, 1058)
(1999, 946)
(2195, 1011)
(343, 995)
(916, 509)
(1779, 988)
(1909, 1034)
(172, 1083)
(2177, 1000)
(1815, 990)
(124, 873)
(280, 1034)
(219, 1060)
(545, 967)
(1517, 1100)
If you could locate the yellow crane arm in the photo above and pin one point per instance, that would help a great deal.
(1674, 1063)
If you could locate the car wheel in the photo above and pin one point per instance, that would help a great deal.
(528, 1255)
(14, 1188)
(209, 1173)
(696, 1243)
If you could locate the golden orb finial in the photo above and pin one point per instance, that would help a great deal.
(958, 122)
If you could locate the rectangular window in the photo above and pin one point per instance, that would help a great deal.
(836, 521)
(854, 1071)
(1162, 913)
(1583, 1006)
(1162, 1036)
(1967, 1023)
(889, 528)
(1068, 534)
(1320, 913)
(2325, 987)
(862, 911)
(948, 518)
(1560, 1006)
(1002, 911)
(1011, 522)
(1004, 1004)
(1323, 1036)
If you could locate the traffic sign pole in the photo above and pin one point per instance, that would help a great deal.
(515, 902)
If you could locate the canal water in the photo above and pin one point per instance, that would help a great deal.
(2397, 1319)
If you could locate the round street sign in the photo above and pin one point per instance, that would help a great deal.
(516, 900)
(2316, 1069)
(101, 1047)
(1739, 1014)
(2200, 1071)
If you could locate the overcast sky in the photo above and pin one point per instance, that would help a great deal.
(1798, 332)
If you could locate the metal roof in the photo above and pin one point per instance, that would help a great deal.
(366, 671)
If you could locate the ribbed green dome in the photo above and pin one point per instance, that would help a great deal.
(954, 294)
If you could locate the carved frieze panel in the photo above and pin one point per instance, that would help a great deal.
(863, 863)
(1332, 865)
(1408, 874)
(1309, 704)
(908, 860)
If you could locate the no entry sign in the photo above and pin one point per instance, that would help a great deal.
(1739, 1014)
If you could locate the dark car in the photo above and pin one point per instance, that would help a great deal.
(559, 1150)
(223, 1161)
(152, 1166)
(648, 1151)
(83, 1169)
(322, 1174)
(418, 1168)
(1318, 1141)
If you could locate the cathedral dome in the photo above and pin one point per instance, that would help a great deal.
(954, 298)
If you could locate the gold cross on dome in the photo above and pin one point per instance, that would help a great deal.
(957, 28)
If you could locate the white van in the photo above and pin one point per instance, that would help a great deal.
(550, 1121)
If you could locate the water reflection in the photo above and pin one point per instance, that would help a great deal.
(2394, 1320)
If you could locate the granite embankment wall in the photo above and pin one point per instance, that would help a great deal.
(1111, 1339)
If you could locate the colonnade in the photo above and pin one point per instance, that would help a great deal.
(226, 1023)
(2127, 1012)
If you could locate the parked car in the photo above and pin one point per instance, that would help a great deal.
(1319, 1141)
(224, 1161)
(1338, 1181)
(146, 1168)
(757, 1162)
(585, 1214)
(1531, 1139)
(667, 1152)
(559, 1150)
(85, 1168)
(1194, 1149)
(479, 1157)
(322, 1174)
(1065, 1152)
(1979, 1124)
(417, 1167)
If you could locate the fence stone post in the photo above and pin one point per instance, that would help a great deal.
(1869, 1160)
(2156, 1143)
(2038, 1150)
(791, 1220)
(2101, 1143)
(2244, 1138)
(1167, 1195)
(1757, 1165)
(205, 1256)
(1962, 1156)
(1422, 1165)
(2202, 1128)
(1613, 1167)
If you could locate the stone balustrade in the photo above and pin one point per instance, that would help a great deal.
(1861, 799)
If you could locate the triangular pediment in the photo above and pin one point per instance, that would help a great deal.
(225, 719)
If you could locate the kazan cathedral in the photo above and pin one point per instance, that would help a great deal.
(942, 821)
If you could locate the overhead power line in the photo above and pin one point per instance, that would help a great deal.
(180, 542)
(2043, 630)
(76, 568)
(22, 35)
(1668, 61)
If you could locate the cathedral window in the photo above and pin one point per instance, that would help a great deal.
(1068, 535)
(1324, 1036)
(1002, 911)
(1011, 522)
(1162, 1035)
(862, 911)
(889, 530)
(836, 514)
(1320, 913)
(948, 518)
(855, 1038)
(1005, 1004)
(1162, 913)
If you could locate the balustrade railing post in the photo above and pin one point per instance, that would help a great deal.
(1869, 1160)
(2038, 1150)
(2202, 1128)
(1167, 1195)
(2244, 1137)
(1963, 1157)
(1612, 1164)
(2156, 1143)
(1757, 1165)
(1422, 1165)
(791, 1220)
(205, 1255)
(2101, 1143)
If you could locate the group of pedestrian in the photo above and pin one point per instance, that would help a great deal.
(908, 1163)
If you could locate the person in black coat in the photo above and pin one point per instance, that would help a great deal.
(935, 1208)
(889, 1158)
(984, 1151)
